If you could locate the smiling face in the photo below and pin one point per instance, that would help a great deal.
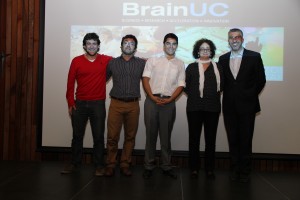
(91, 47)
(170, 47)
(204, 51)
(235, 40)
(128, 46)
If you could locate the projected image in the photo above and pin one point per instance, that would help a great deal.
(149, 44)
(267, 41)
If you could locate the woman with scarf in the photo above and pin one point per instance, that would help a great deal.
(204, 82)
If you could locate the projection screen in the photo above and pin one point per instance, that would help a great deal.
(270, 27)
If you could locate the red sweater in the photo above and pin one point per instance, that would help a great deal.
(90, 78)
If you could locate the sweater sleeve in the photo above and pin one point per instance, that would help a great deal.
(71, 84)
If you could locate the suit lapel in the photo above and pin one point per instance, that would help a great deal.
(228, 65)
(243, 61)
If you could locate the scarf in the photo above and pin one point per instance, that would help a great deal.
(202, 77)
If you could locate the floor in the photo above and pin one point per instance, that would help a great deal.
(43, 181)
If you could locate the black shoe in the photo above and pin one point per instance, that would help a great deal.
(69, 169)
(194, 174)
(244, 178)
(147, 174)
(170, 173)
(234, 176)
(210, 175)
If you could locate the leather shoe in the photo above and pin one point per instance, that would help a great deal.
(234, 176)
(69, 169)
(194, 174)
(170, 173)
(126, 171)
(210, 175)
(244, 178)
(109, 171)
(100, 172)
(147, 174)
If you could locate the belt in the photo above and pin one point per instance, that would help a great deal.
(127, 99)
(161, 96)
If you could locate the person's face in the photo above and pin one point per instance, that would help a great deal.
(128, 46)
(235, 40)
(91, 47)
(170, 46)
(204, 51)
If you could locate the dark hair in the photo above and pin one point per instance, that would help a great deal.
(199, 43)
(132, 37)
(236, 30)
(171, 35)
(91, 36)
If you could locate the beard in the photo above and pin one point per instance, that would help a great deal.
(235, 46)
(128, 51)
(91, 52)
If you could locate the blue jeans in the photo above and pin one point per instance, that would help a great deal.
(95, 112)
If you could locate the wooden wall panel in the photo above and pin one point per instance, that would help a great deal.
(2, 50)
(20, 27)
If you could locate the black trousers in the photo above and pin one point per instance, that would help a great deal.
(95, 112)
(210, 120)
(240, 128)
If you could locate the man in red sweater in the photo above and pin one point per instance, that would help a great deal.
(88, 102)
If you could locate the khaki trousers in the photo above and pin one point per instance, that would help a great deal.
(120, 113)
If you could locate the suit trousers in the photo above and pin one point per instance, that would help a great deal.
(240, 128)
(210, 120)
(121, 113)
(159, 120)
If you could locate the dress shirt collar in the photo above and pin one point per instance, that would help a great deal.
(237, 54)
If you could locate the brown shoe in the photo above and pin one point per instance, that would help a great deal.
(126, 171)
(69, 169)
(100, 172)
(109, 171)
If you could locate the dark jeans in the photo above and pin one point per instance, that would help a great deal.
(210, 121)
(96, 113)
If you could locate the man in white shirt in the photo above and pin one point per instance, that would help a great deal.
(163, 81)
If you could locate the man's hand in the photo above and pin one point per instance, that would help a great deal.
(71, 108)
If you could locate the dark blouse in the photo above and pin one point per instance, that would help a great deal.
(211, 98)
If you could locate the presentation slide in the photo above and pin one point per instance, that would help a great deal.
(270, 27)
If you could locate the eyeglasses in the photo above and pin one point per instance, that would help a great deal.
(235, 37)
(204, 50)
(125, 43)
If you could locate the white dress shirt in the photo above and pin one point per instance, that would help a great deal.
(235, 62)
(165, 75)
